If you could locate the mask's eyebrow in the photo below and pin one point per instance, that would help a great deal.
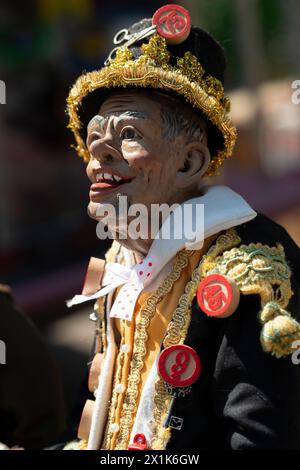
(134, 114)
(97, 120)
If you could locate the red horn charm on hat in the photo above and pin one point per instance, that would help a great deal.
(173, 23)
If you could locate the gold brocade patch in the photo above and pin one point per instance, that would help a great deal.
(263, 270)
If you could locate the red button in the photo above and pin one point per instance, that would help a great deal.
(179, 365)
(139, 443)
(218, 295)
(173, 23)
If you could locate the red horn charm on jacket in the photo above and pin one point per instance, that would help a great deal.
(218, 295)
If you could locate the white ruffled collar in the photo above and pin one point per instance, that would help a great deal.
(223, 209)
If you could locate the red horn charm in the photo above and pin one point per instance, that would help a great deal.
(179, 365)
(173, 23)
(218, 295)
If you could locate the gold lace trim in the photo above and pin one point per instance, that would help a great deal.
(140, 340)
(113, 403)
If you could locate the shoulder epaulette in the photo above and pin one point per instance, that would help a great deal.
(263, 270)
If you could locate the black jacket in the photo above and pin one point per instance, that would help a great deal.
(245, 398)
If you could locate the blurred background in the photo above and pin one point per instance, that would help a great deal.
(46, 237)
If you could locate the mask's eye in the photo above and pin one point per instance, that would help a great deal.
(129, 133)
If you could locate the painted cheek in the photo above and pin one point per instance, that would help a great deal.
(152, 171)
(135, 155)
(150, 165)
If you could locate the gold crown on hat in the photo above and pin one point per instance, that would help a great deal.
(156, 53)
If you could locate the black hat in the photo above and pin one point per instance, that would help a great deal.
(192, 69)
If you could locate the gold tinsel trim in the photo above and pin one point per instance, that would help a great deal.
(152, 70)
(156, 52)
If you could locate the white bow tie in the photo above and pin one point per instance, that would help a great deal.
(133, 280)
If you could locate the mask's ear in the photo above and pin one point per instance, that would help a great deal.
(196, 162)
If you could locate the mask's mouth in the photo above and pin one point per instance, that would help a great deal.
(107, 180)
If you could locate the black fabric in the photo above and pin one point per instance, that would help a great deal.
(31, 401)
(244, 398)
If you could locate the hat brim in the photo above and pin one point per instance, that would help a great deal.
(150, 77)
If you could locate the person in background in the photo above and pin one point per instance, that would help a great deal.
(32, 413)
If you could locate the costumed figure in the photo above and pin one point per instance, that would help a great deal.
(193, 342)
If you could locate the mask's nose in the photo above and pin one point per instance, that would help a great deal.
(102, 148)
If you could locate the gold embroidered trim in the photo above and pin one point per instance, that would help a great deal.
(261, 269)
(140, 340)
(257, 268)
(178, 328)
(152, 70)
(113, 403)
